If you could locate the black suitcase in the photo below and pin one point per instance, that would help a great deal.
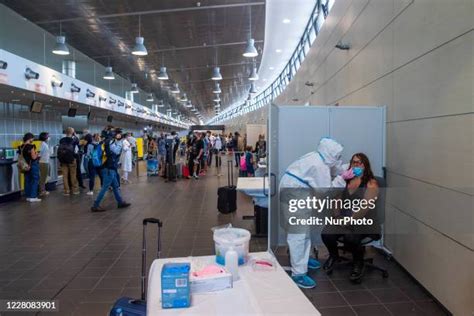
(127, 306)
(171, 172)
(227, 196)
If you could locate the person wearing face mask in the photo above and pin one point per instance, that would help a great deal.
(311, 174)
(44, 161)
(360, 185)
(113, 148)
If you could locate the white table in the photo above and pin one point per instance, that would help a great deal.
(256, 293)
(252, 185)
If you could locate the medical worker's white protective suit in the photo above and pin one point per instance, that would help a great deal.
(314, 170)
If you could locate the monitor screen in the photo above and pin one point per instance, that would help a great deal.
(36, 107)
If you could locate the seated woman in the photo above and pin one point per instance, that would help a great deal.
(360, 185)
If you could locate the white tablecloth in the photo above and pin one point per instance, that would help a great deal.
(256, 293)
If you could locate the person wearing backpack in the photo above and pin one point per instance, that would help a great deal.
(90, 154)
(67, 159)
(32, 173)
(113, 149)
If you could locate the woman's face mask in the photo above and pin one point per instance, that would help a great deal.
(358, 171)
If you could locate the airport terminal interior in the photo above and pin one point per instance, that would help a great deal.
(168, 157)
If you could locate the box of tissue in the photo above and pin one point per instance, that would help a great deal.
(175, 287)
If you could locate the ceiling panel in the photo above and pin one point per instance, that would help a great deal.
(186, 39)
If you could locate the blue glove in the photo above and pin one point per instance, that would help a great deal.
(358, 171)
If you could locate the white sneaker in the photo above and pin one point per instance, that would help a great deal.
(90, 193)
(33, 200)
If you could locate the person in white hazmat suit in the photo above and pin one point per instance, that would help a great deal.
(312, 174)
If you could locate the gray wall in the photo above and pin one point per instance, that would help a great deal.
(415, 57)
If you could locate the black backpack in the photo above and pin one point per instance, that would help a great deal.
(66, 152)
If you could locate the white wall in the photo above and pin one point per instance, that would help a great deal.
(415, 57)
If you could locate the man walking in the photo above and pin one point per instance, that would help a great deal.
(113, 149)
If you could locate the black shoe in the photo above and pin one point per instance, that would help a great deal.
(123, 205)
(97, 209)
(329, 264)
(357, 271)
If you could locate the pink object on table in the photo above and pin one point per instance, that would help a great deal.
(209, 270)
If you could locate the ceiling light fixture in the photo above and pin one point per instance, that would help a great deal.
(134, 88)
(253, 89)
(109, 75)
(278, 50)
(217, 98)
(175, 89)
(3, 64)
(184, 98)
(90, 94)
(250, 50)
(60, 48)
(149, 97)
(286, 21)
(112, 101)
(161, 104)
(253, 75)
(216, 74)
(139, 49)
(162, 75)
(189, 104)
(217, 88)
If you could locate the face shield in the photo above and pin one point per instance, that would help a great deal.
(330, 151)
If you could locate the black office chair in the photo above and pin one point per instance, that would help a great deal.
(369, 262)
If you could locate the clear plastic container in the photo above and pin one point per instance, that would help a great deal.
(237, 238)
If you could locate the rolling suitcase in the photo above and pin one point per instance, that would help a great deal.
(227, 196)
(170, 172)
(185, 171)
(126, 306)
(179, 170)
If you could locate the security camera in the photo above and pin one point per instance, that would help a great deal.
(120, 103)
(30, 74)
(55, 82)
(112, 101)
(3, 64)
(102, 99)
(90, 94)
(343, 46)
(75, 88)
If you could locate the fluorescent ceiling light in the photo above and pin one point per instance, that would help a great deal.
(286, 21)
(253, 75)
(109, 75)
(134, 88)
(216, 74)
(163, 75)
(278, 50)
(184, 98)
(217, 88)
(139, 49)
(250, 50)
(149, 97)
(60, 48)
(175, 89)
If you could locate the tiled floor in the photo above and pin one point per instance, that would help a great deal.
(59, 250)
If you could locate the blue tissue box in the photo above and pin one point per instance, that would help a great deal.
(175, 287)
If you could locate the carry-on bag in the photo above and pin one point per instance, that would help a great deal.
(170, 172)
(126, 306)
(227, 196)
(185, 171)
(152, 167)
(179, 170)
